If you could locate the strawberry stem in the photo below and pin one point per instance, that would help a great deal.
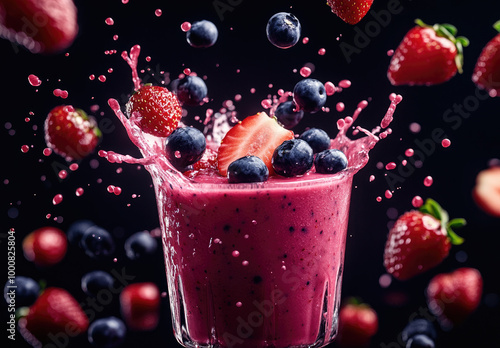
(497, 26)
(449, 31)
(431, 207)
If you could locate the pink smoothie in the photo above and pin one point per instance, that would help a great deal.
(253, 265)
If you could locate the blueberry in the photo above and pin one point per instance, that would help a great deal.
(190, 90)
(107, 332)
(330, 161)
(283, 30)
(287, 116)
(317, 139)
(25, 293)
(185, 146)
(202, 34)
(418, 326)
(95, 281)
(420, 341)
(309, 95)
(293, 157)
(77, 229)
(140, 245)
(97, 242)
(247, 169)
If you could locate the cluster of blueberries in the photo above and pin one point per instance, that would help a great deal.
(419, 333)
(96, 242)
(294, 157)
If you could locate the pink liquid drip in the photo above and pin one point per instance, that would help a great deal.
(305, 71)
(158, 12)
(185, 26)
(417, 201)
(132, 60)
(73, 166)
(25, 148)
(109, 21)
(409, 152)
(57, 199)
(345, 83)
(79, 191)
(60, 93)
(388, 194)
(390, 166)
(446, 143)
(428, 181)
(47, 151)
(63, 174)
(321, 51)
(395, 100)
(34, 80)
(330, 88)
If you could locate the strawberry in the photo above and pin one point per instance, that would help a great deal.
(55, 313)
(258, 135)
(420, 240)
(42, 26)
(486, 193)
(350, 11)
(157, 110)
(71, 133)
(358, 322)
(428, 55)
(140, 305)
(452, 297)
(45, 246)
(486, 73)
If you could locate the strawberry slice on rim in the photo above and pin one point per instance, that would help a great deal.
(258, 135)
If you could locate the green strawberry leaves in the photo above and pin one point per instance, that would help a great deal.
(449, 32)
(496, 25)
(431, 207)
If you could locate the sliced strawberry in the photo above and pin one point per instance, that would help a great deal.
(156, 109)
(258, 135)
(486, 193)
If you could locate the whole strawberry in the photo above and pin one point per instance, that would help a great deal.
(42, 26)
(486, 73)
(156, 109)
(358, 322)
(71, 133)
(55, 313)
(452, 297)
(420, 240)
(350, 11)
(428, 55)
(45, 246)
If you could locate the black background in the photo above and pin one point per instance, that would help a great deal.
(242, 44)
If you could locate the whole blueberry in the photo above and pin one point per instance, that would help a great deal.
(309, 95)
(317, 139)
(97, 242)
(330, 161)
(418, 326)
(76, 230)
(185, 146)
(292, 158)
(247, 169)
(202, 34)
(287, 115)
(191, 90)
(140, 245)
(22, 291)
(95, 281)
(107, 332)
(420, 341)
(283, 30)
